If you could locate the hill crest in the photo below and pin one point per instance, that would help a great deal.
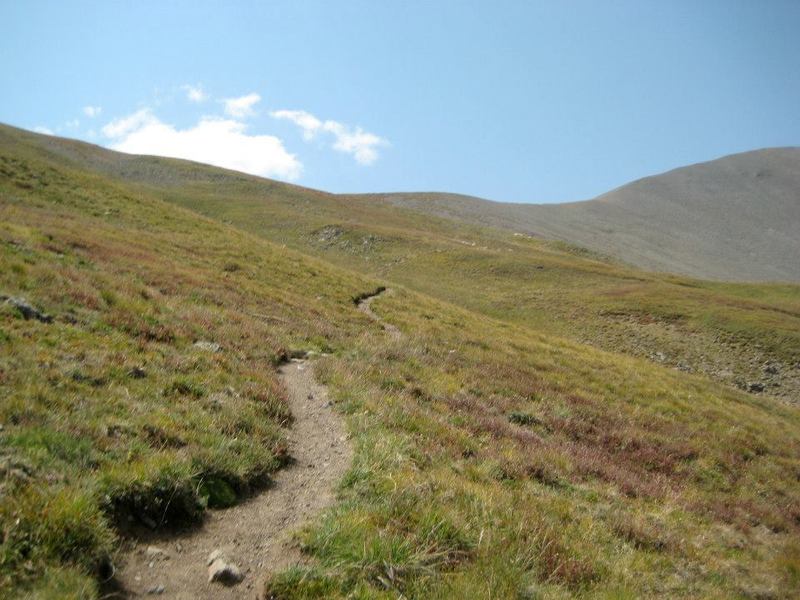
(734, 218)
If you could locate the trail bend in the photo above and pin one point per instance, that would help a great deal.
(256, 534)
(364, 304)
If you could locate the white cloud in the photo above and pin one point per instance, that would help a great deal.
(195, 93)
(122, 127)
(92, 111)
(43, 129)
(242, 106)
(217, 141)
(72, 124)
(304, 120)
(363, 145)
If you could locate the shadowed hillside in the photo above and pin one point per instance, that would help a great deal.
(736, 218)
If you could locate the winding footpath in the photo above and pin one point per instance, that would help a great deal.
(256, 534)
(365, 306)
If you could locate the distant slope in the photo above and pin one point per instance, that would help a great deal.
(735, 218)
(725, 331)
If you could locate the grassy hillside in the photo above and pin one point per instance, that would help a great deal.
(494, 458)
(743, 335)
(112, 413)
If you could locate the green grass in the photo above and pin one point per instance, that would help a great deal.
(111, 413)
(726, 331)
(496, 455)
(628, 479)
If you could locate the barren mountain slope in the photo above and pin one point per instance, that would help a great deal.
(735, 218)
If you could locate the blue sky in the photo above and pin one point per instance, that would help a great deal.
(516, 101)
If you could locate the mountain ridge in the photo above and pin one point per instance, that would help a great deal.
(698, 220)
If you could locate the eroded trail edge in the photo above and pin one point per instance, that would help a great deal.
(256, 534)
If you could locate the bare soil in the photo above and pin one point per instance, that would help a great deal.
(255, 535)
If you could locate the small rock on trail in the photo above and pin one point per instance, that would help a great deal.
(222, 571)
(155, 552)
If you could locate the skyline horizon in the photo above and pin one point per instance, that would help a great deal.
(424, 191)
(540, 103)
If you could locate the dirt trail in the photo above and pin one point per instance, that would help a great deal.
(365, 306)
(254, 535)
